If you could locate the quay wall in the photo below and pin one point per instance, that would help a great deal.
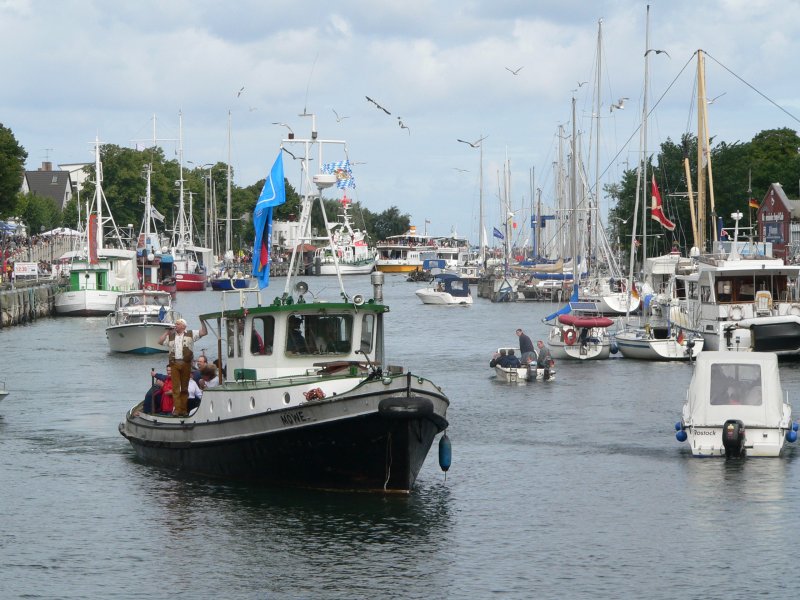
(26, 302)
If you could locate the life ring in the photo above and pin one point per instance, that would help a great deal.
(737, 312)
(569, 337)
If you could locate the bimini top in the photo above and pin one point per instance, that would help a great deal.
(735, 385)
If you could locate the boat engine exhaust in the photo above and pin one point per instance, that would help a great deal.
(733, 434)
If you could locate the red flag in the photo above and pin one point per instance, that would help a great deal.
(680, 337)
(656, 212)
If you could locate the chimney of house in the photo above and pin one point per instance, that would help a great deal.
(46, 166)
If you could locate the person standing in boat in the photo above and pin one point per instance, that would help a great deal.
(526, 351)
(180, 342)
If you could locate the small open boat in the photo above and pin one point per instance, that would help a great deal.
(526, 372)
(735, 406)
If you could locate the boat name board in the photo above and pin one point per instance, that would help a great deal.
(773, 216)
(295, 418)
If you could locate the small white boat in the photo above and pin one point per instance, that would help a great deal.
(3, 391)
(523, 373)
(580, 337)
(735, 406)
(656, 343)
(447, 289)
(138, 321)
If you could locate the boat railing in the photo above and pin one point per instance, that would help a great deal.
(240, 298)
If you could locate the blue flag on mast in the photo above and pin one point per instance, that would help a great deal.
(497, 233)
(272, 194)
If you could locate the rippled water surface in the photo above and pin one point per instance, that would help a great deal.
(569, 489)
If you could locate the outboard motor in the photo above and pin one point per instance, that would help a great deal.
(733, 438)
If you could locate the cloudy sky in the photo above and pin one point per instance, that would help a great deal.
(76, 69)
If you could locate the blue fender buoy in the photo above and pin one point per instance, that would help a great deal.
(681, 436)
(678, 426)
(791, 436)
(614, 348)
(445, 452)
(795, 426)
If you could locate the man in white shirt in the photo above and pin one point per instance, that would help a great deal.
(180, 342)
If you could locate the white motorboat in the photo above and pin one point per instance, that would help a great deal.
(447, 289)
(3, 391)
(138, 321)
(735, 406)
(309, 397)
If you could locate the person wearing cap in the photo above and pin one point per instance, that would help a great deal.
(180, 342)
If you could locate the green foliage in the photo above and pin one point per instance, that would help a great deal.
(38, 213)
(12, 170)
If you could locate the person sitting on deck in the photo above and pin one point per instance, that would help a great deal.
(497, 357)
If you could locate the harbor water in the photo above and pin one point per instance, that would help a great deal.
(574, 488)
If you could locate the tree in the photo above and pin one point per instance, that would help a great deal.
(38, 213)
(12, 170)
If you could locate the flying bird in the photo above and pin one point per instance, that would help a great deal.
(284, 125)
(378, 105)
(620, 104)
(239, 93)
(715, 98)
(338, 118)
(289, 153)
(582, 83)
(515, 72)
(657, 52)
(474, 144)
(461, 170)
(403, 125)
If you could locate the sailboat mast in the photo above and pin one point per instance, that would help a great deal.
(593, 218)
(702, 107)
(701, 144)
(573, 209)
(181, 241)
(228, 209)
(644, 133)
(98, 195)
(482, 231)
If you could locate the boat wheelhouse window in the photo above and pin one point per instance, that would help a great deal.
(705, 293)
(724, 289)
(235, 336)
(262, 335)
(733, 384)
(319, 334)
(746, 291)
(367, 332)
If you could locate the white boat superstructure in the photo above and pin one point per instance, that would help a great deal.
(350, 249)
(403, 253)
(735, 406)
(98, 273)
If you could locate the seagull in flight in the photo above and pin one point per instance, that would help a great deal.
(460, 170)
(513, 72)
(403, 125)
(582, 83)
(284, 125)
(378, 105)
(715, 98)
(620, 104)
(338, 118)
(474, 144)
(657, 52)
(239, 93)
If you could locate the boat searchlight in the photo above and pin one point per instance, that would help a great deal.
(324, 180)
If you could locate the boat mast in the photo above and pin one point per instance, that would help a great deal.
(228, 209)
(644, 134)
(703, 157)
(573, 193)
(182, 233)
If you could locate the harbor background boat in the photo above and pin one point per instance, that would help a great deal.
(573, 489)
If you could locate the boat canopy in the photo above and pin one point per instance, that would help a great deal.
(736, 385)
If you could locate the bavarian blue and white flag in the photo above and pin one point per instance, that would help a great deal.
(498, 234)
(272, 194)
(344, 175)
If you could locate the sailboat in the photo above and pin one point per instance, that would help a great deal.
(228, 275)
(98, 273)
(655, 337)
(577, 331)
(153, 257)
(190, 260)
